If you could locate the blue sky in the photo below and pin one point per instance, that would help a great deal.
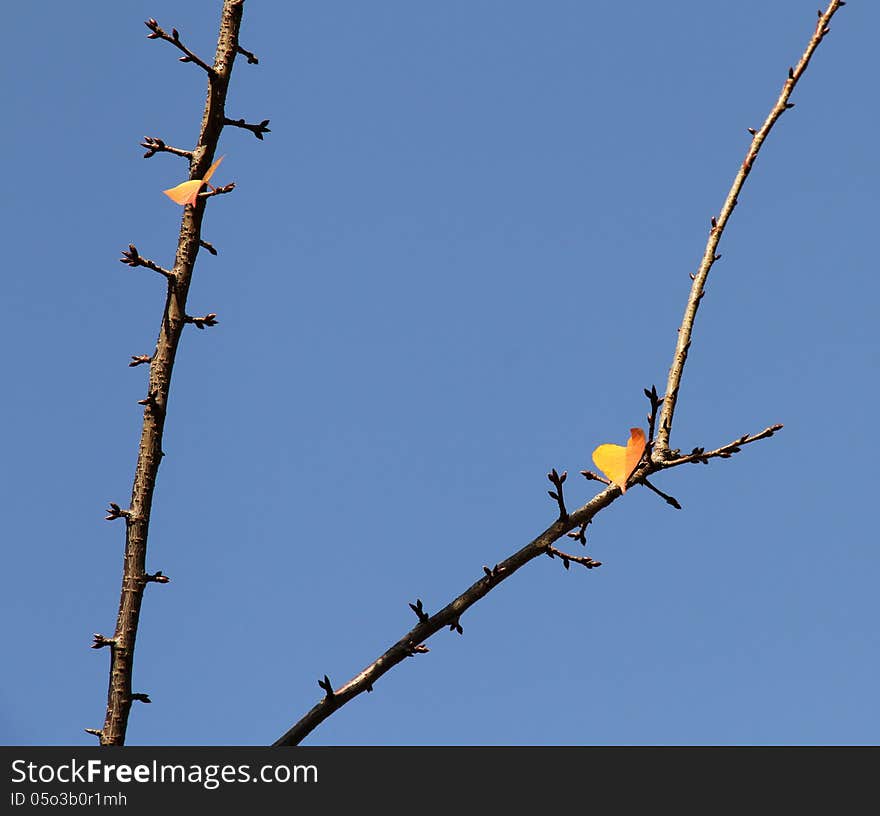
(455, 262)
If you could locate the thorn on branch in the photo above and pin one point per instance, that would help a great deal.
(200, 322)
(494, 573)
(455, 626)
(99, 641)
(206, 245)
(156, 33)
(154, 146)
(251, 58)
(790, 75)
(157, 577)
(412, 650)
(140, 359)
(115, 512)
(328, 687)
(753, 131)
(557, 480)
(133, 259)
(714, 222)
(95, 732)
(139, 697)
(257, 130)
(419, 610)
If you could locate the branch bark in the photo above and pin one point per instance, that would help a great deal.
(661, 458)
(174, 318)
(683, 344)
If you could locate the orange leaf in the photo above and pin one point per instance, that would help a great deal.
(212, 168)
(185, 193)
(188, 191)
(618, 462)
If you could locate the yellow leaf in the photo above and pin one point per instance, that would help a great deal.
(188, 191)
(618, 462)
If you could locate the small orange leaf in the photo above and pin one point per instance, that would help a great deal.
(212, 168)
(185, 193)
(188, 191)
(618, 462)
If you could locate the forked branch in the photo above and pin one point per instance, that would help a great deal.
(574, 524)
(718, 225)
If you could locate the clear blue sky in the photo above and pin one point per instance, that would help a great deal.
(455, 262)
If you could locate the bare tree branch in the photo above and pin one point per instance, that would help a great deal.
(698, 288)
(161, 362)
(574, 524)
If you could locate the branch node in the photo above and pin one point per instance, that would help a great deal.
(150, 402)
(99, 641)
(207, 245)
(493, 574)
(141, 698)
(251, 57)
(328, 688)
(580, 534)
(455, 626)
(115, 512)
(140, 359)
(419, 610)
(154, 146)
(133, 259)
(157, 577)
(200, 322)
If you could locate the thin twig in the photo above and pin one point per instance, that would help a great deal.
(567, 558)
(724, 452)
(133, 259)
(249, 55)
(557, 481)
(174, 39)
(258, 129)
(201, 322)
(661, 447)
(155, 146)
